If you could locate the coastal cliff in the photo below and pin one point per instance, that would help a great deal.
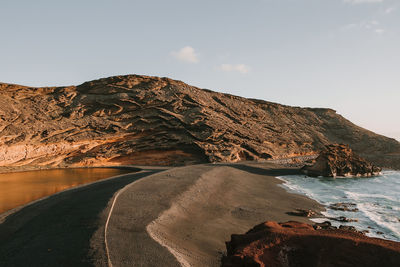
(159, 121)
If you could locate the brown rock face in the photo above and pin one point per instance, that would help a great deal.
(149, 120)
(297, 244)
(340, 160)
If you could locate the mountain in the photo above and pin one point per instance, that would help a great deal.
(159, 121)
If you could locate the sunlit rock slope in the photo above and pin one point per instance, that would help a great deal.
(149, 120)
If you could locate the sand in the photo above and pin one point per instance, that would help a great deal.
(64, 229)
(183, 216)
(176, 217)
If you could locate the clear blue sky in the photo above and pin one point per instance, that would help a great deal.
(342, 54)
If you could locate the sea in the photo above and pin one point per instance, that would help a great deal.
(377, 200)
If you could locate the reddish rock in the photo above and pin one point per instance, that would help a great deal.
(275, 244)
(340, 160)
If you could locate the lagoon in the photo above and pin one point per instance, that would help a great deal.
(19, 188)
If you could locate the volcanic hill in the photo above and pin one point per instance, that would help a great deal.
(159, 121)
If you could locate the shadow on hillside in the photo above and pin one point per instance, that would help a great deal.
(264, 171)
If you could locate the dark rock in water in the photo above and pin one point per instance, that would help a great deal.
(349, 228)
(344, 206)
(302, 213)
(340, 160)
(324, 226)
(343, 219)
(291, 244)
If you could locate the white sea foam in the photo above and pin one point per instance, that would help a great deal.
(381, 218)
(377, 198)
(298, 188)
(361, 196)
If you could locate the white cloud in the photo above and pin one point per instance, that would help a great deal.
(389, 10)
(242, 68)
(186, 54)
(362, 1)
(372, 25)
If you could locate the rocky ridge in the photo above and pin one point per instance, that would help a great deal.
(137, 119)
(299, 244)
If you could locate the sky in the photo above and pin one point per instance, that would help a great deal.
(340, 54)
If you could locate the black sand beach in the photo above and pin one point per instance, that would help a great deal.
(178, 216)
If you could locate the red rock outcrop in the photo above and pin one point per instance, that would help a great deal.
(340, 160)
(149, 120)
(298, 244)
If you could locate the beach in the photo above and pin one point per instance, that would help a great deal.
(59, 230)
(178, 216)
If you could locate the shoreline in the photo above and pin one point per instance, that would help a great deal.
(349, 205)
(63, 227)
(17, 169)
(7, 213)
(192, 211)
(181, 216)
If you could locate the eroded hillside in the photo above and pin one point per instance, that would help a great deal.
(148, 120)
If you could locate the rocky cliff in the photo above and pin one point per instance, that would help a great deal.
(149, 120)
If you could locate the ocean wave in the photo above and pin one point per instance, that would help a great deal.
(377, 199)
(288, 184)
(363, 196)
(381, 218)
